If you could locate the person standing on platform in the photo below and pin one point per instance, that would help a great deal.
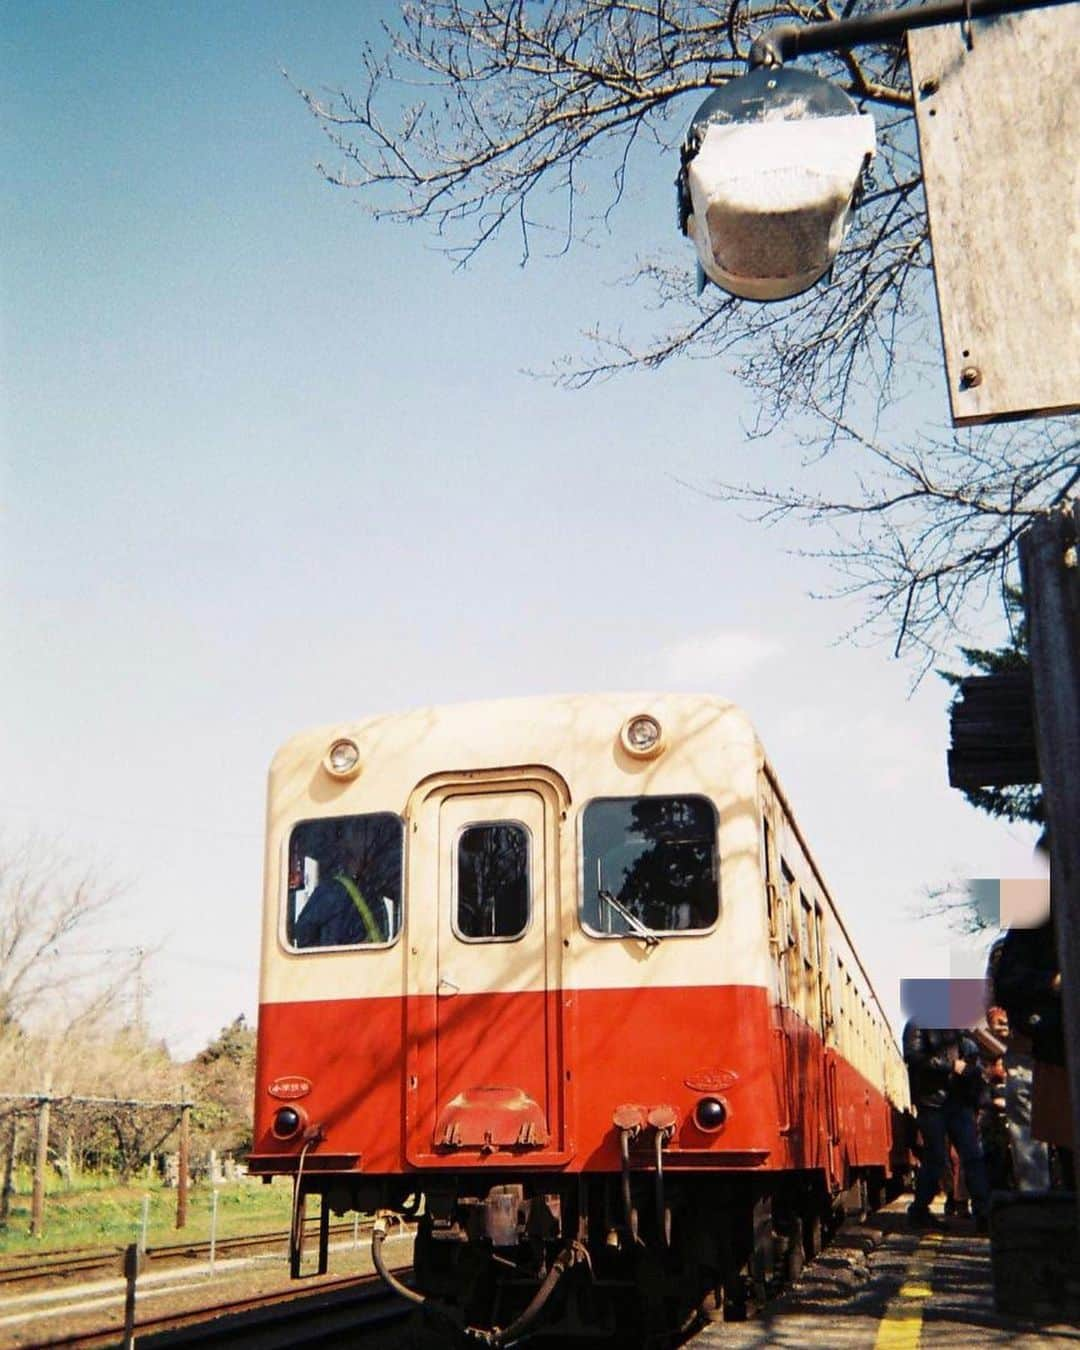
(1028, 985)
(946, 1087)
(993, 1119)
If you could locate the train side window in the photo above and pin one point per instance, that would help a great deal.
(849, 1018)
(806, 931)
(790, 936)
(345, 881)
(842, 1001)
(787, 881)
(862, 1033)
(649, 865)
(832, 991)
(492, 902)
(770, 886)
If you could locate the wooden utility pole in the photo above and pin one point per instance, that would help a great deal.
(132, 1267)
(184, 1160)
(1050, 563)
(7, 1188)
(41, 1162)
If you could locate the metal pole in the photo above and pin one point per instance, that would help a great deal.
(788, 40)
(41, 1159)
(1050, 563)
(213, 1228)
(183, 1161)
(296, 1233)
(356, 1230)
(144, 1224)
(140, 990)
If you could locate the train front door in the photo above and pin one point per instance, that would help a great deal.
(488, 1081)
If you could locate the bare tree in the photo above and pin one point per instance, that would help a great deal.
(138, 1091)
(48, 908)
(475, 118)
(536, 116)
(929, 529)
(57, 996)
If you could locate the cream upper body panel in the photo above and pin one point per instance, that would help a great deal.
(568, 750)
(861, 1028)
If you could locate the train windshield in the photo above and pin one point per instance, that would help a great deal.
(649, 864)
(345, 881)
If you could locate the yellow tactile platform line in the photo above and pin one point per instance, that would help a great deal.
(901, 1324)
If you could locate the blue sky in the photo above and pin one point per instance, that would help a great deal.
(267, 464)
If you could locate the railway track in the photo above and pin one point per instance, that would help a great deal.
(353, 1310)
(61, 1264)
(357, 1307)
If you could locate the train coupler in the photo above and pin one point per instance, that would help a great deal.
(500, 1336)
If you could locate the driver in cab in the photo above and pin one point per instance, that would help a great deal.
(338, 914)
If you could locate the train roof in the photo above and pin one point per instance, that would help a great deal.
(507, 730)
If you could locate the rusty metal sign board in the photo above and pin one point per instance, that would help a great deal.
(998, 140)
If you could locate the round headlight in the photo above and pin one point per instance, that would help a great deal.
(642, 736)
(286, 1122)
(710, 1114)
(342, 760)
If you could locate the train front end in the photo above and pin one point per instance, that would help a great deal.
(516, 984)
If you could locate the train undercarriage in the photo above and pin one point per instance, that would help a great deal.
(499, 1258)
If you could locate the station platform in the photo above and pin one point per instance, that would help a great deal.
(881, 1286)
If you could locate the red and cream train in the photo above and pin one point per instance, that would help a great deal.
(559, 978)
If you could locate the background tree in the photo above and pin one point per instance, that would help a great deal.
(1019, 801)
(139, 1087)
(68, 1027)
(476, 118)
(55, 994)
(49, 908)
(222, 1078)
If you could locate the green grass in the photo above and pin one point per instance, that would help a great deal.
(96, 1212)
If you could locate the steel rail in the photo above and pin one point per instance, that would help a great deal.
(60, 1265)
(255, 1319)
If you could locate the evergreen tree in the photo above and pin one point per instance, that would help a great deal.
(224, 1081)
(1018, 801)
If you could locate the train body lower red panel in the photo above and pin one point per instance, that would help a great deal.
(385, 1075)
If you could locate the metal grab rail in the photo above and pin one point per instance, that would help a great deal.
(786, 1076)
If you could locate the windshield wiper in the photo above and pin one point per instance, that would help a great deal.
(646, 934)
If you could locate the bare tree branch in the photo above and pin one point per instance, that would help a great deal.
(930, 528)
(46, 906)
(472, 116)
